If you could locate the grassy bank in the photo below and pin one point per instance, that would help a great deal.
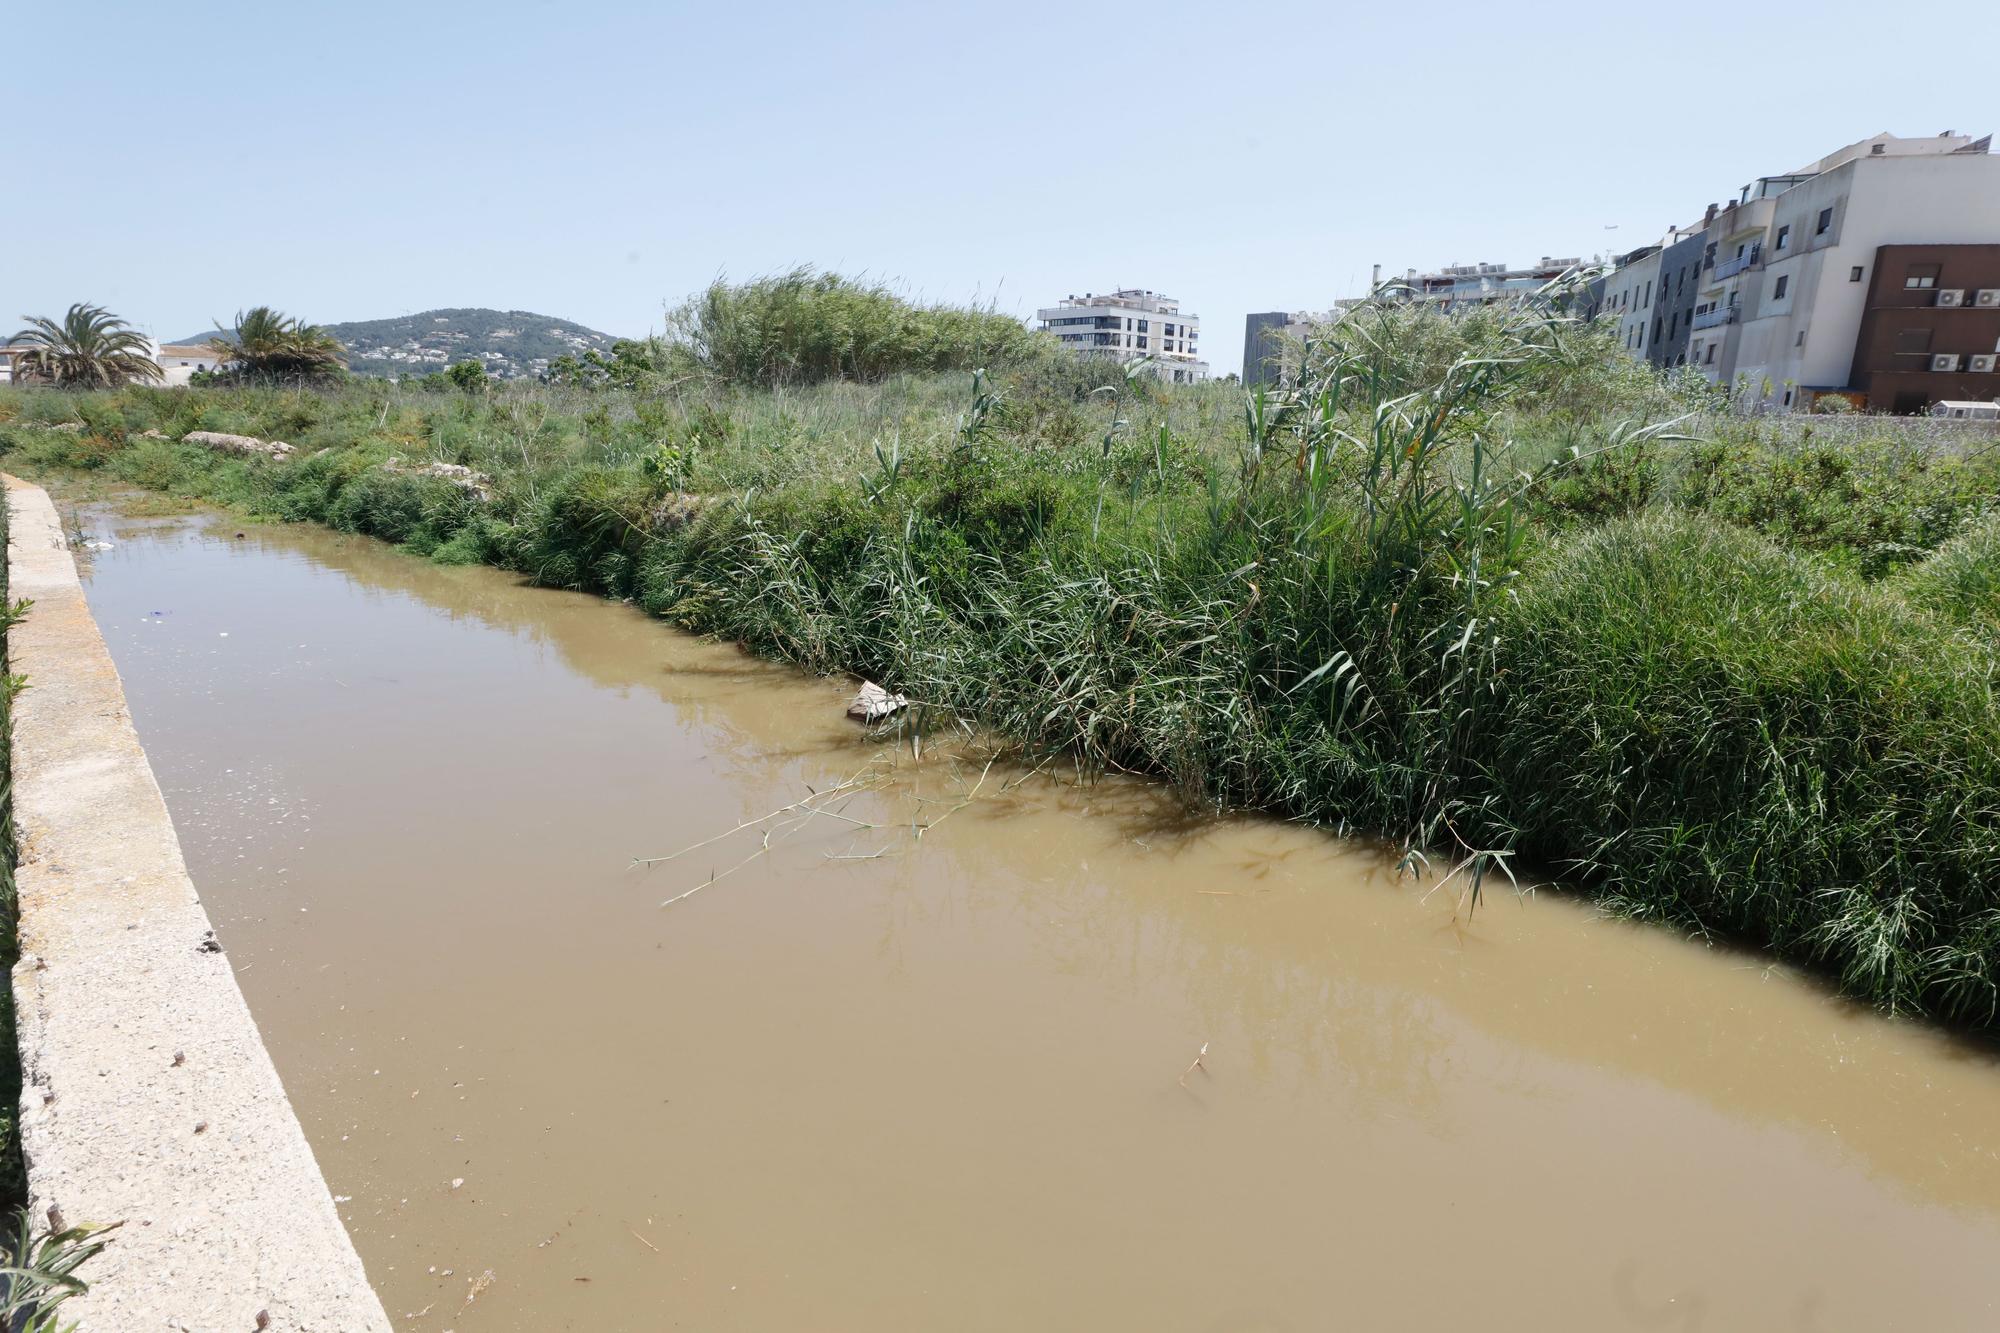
(1484, 586)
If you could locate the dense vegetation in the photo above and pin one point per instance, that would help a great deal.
(1484, 585)
(805, 327)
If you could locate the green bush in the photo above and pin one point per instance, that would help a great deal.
(802, 327)
(1701, 726)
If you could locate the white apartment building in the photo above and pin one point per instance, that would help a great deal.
(1129, 324)
(1787, 267)
(1628, 298)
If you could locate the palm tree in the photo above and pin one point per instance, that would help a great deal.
(90, 349)
(269, 345)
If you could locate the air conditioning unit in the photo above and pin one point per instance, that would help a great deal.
(1945, 361)
(1947, 297)
(1987, 298)
(1982, 365)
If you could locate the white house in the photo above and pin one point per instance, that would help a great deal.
(179, 361)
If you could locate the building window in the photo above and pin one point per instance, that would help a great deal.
(1921, 276)
(1913, 342)
(1854, 274)
(1784, 238)
(1778, 292)
(1825, 222)
(1711, 354)
(1800, 341)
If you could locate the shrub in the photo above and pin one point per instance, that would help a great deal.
(802, 327)
(1703, 727)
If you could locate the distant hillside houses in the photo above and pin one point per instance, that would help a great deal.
(510, 344)
(513, 344)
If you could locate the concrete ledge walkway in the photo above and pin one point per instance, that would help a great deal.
(147, 1095)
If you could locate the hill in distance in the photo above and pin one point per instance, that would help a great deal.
(512, 344)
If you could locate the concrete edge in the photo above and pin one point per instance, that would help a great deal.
(147, 1095)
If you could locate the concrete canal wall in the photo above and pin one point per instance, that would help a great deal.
(147, 1095)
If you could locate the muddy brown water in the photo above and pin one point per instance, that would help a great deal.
(872, 1081)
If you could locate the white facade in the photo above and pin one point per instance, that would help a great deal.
(1127, 325)
(1628, 298)
(1787, 265)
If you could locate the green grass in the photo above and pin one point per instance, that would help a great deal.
(1484, 586)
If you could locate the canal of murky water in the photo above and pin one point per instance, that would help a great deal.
(925, 1060)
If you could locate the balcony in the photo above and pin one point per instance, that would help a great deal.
(1708, 319)
(1729, 268)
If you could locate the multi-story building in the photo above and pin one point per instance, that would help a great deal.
(1628, 296)
(1679, 278)
(1272, 340)
(1732, 251)
(1475, 284)
(1787, 268)
(1801, 330)
(1930, 327)
(1127, 325)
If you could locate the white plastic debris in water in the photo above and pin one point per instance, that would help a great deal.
(874, 703)
(97, 546)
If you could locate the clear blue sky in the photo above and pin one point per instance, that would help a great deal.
(599, 161)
